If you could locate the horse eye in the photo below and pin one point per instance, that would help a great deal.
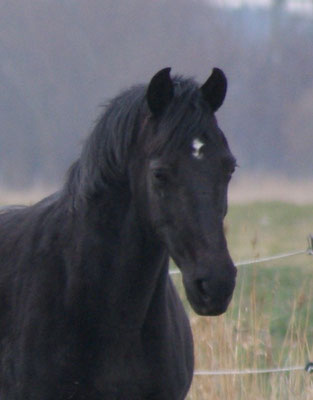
(160, 175)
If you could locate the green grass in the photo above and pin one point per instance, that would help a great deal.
(267, 228)
(263, 229)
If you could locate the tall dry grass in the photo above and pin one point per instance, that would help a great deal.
(242, 340)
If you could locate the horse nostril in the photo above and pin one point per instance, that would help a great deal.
(204, 287)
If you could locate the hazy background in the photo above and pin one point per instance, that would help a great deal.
(62, 60)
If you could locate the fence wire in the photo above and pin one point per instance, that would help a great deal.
(248, 371)
(308, 251)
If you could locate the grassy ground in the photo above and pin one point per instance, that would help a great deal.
(270, 321)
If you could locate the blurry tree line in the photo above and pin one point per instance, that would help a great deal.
(61, 61)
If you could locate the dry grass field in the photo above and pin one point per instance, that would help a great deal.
(270, 321)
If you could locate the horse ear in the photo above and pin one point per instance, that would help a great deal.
(214, 89)
(160, 92)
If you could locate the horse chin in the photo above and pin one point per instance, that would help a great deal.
(209, 311)
(205, 305)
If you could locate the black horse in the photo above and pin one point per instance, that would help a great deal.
(87, 307)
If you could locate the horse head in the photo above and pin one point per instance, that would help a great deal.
(185, 166)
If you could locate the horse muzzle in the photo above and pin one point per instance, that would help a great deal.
(210, 296)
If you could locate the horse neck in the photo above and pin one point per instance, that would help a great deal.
(128, 264)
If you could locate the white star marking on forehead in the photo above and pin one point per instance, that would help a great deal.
(197, 146)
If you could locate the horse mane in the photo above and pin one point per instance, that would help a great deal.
(103, 161)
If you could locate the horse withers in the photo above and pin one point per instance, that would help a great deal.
(87, 307)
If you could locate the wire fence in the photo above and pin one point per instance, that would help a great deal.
(309, 365)
(247, 371)
(308, 250)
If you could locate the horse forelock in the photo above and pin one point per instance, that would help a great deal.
(186, 118)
